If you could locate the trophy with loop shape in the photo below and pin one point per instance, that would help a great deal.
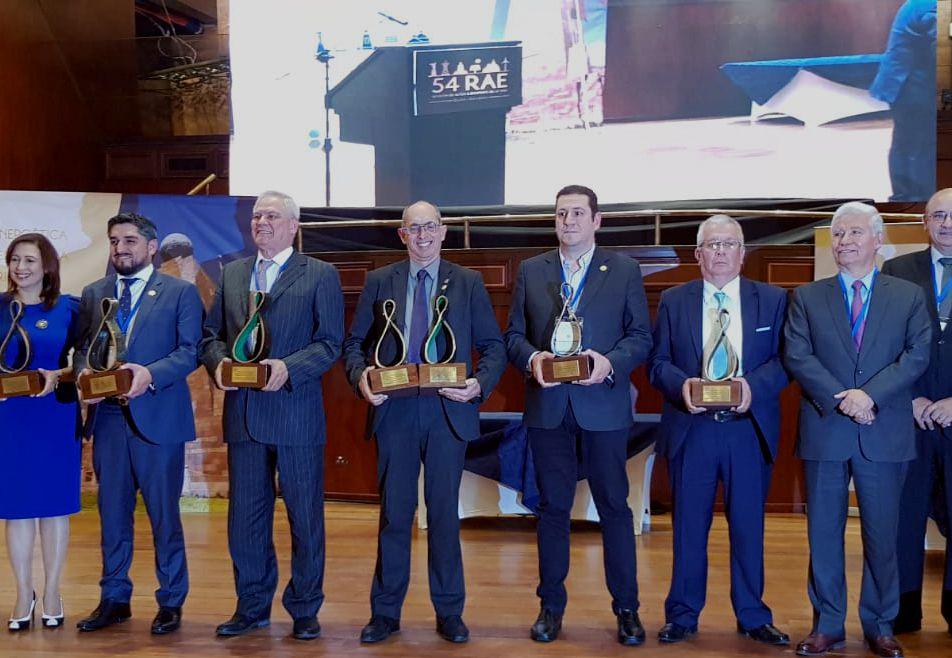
(717, 389)
(568, 365)
(15, 379)
(107, 352)
(438, 372)
(402, 378)
(251, 346)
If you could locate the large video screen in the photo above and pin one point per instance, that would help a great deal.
(502, 102)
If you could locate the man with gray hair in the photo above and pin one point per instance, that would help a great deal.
(278, 429)
(718, 327)
(856, 343)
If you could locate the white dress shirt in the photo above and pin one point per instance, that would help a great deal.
(271, 275)
(735, 330)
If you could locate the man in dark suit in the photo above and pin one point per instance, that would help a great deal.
(591, 417)
(856, 343)
(139, 440)
(736, 446)
(279, 428)
(929, 478)
(415, 429)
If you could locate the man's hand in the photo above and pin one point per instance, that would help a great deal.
(222, 387)
(856, 404)
(686, 395)
(537, 369)
(50, 380)
(463, 394)
(601, 368)
(745, 396)
(940, 412)
(376, 399)
(278, 374)
(141, 378)
(86, 371)
(919, 407)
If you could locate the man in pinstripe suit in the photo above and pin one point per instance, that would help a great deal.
(281, 427)
(428, 429)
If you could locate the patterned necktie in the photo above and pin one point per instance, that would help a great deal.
(855, 311)
(419, 318)
(261, 276)
(719, 358)
(125, 301)
(945, 308)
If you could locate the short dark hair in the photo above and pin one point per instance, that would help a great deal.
(144, 225)
(580, 189)
(51, 267)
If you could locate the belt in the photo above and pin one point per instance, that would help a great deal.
(725, 416)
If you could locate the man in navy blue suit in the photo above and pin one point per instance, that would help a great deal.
(591, 417)
(278, 430)
(856, 343)
(139, 441)
(737, 446)
(432, 430)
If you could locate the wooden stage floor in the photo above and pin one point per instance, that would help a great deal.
(500, 558)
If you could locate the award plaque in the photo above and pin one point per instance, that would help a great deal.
(15, 379)
(438, 372)
(401, 378)
(717, 389)
(568, 365)
(106, 353)
(250, 346)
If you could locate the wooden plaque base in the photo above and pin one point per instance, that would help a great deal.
(108, 384)
(434, 376)
(716, 395)
(26, 382)
(566, 368)
(244, 375)
(396, 380)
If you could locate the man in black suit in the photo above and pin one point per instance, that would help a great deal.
(856, 343)
(280, 428)
(415, 429)
(591, 417)
(929, 478)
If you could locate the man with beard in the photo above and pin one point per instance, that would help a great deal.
(139, 438)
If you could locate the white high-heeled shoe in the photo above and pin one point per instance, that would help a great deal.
(54, 621)
(23, 624)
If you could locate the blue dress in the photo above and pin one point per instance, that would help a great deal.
(40, 467)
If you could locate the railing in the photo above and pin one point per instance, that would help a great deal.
(206, 183)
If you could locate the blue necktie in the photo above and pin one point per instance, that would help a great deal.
(719, 357)
(125, 302)
(419, 318)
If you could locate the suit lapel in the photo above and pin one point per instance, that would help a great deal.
(293, 270)
(243, 286)
(926, 279)
(597, 274)
(749, 312)
(151, 292)
(695, 300)
(837, 304)
(878, 307)
(398, 285)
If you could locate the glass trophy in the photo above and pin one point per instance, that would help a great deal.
(566, 344)
(401, 378)
(15, 379)
(717, 389)
(437, 372)
(250, 347)
(106, 353)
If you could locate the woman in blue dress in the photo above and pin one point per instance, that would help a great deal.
(40, 469)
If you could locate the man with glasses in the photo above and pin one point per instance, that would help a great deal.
(735, 446)
(414, 429)
(929, 479)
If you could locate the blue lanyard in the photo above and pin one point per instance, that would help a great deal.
(122, 320)
(254, 279)
(854, 326)
(940, 297)
(581, 284)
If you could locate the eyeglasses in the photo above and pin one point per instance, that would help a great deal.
(722, 245)
(940, 216)
(417, 229)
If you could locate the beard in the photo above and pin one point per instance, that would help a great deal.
(128, 267)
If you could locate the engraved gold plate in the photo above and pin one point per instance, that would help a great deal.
(244, 374)
(103, 384)
(398, 377)
(15, 385)
(716, 393)
(442, 374)
(565, 369)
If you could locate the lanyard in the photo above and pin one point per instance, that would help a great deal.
(946, 289)
(864, 311)
(125, 320)
(573, 302)
(254, 279)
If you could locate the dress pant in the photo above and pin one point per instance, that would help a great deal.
(928, 483)
(415, 432)
(878, 488)
(728, 452)
(125, 463)
(558, 455)
(251, 479)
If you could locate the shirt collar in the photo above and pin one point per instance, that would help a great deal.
(433, 269)
(731, 289)
(279, 259)
(867, 280)
(583, 260)
(936, 255)
(142, 275)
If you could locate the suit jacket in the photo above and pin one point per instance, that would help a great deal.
(615, 323)
(304, 315)
(907, 70)
(470, 315)
(678, 353)
(820, 354)
(164, 338)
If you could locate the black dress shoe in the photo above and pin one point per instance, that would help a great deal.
(885, 646)
(546, 627)
(106, 614)
(630, 631)
(672, 632)
(306, 628)
(240, 624)
(167, 620)
(379, 628)
(768, 634)
(452, 629)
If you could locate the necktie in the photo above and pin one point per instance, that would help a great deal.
(719, 357)
(419, 318)
(261, 275)
(945, 308)
(856, 310)
(125, 302)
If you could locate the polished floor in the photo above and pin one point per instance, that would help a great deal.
(500, 560)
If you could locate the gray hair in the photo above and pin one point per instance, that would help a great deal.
(289, 203)
(719, 220)
(439, 216)
(860, 209)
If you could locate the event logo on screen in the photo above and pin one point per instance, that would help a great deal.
(467, 79)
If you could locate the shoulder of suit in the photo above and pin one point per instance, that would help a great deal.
(541, 259)
(172, 281)
(901, 286)
(906, 261)
(766, 289)
(238, 263)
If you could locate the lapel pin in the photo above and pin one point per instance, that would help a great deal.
(446, 282)
(603, 268)
(42, 323)
(151, 293)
